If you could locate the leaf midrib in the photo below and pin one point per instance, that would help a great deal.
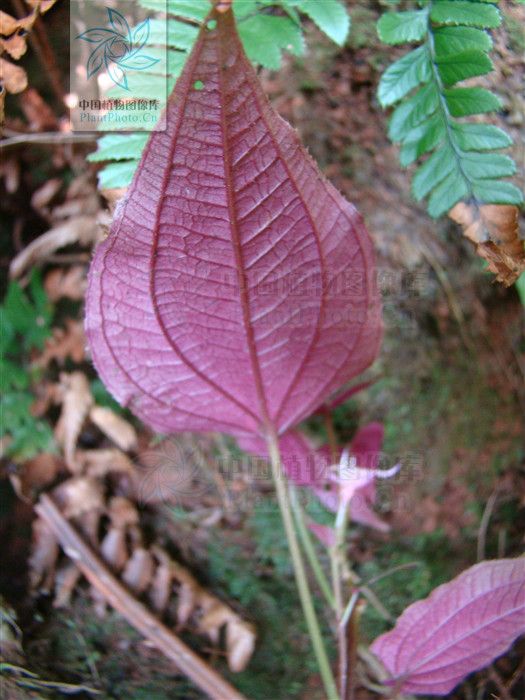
(188, 76)
(236, 238)
(443, 105)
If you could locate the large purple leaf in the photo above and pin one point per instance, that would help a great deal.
(236, 288)
(461, 627)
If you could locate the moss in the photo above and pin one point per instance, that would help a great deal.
(282, 661)
(433, 563)
(78, 647)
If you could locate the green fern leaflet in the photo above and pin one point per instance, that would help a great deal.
(461, 163)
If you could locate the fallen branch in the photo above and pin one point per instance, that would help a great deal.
(51, 138)
(131, 609)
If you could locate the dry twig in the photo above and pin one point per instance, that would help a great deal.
(114, 593)
(52, 138)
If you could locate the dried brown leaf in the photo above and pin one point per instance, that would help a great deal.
(186, 602)
(78, 229)
(211, 612)
(68, 342)
(42, 5)
(182, 575)
(188, 589)
(89, 524)
(493, 228)
(12, 77)
(38, 113)
(9, 24)
(114, 427)
(122, 513)
(160, 591)
(79, 495)
(76, 403)
(70, 283)
(240, 635)
(46, 5)
(43, 558)
(35, 474)
(113, 548)
(99, 601)
(10, 173)
(44, 194)
(98, 463)
(139, 571)
(15, 45)
(81, 199)
(215, 615)
(240, 644)
(135, 536)
(66, 579)
(85, 205)
(81, 186)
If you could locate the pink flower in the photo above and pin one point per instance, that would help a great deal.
(351, 482)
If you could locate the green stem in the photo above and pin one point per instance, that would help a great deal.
(335, 557)
(299, 569)
(309, 548)
(337, 554)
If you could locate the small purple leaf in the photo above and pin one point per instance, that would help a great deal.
(366, 445)
(324, 533)
(462, 626)
(361, 512)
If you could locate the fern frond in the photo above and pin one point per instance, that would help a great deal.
(461, 164)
